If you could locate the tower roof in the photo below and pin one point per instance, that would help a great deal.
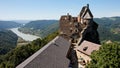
(84, 11)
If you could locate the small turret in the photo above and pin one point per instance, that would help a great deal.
(87, 5)
(68, 17)
(67, 14)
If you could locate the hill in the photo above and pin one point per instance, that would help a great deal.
(20, 53)
(40, 28)
(8, 24)
(109, 28)
(21, 21)
(8, 41)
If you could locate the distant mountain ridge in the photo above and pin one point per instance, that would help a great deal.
(108, 21)
(40, 24)
(22, 21)
(109, 27)
(8, 24)
(40, 27)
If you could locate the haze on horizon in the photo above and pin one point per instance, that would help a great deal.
(53, 9)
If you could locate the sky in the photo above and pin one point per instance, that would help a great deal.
(53, 9)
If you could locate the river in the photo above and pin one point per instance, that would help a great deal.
(26, 37)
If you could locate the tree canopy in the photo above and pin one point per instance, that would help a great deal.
(108, 56)
(20, 53)
(8, 41)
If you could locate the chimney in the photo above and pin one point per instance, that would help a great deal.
(87, 5)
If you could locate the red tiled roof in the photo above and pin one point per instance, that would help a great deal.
(87, 47)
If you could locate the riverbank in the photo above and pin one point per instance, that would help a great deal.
(26, 37)
(21, 42)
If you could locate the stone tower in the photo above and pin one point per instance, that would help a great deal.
(78, 29)
(83, 27)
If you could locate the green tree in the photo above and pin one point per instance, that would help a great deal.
(19, 54)
(108, 56)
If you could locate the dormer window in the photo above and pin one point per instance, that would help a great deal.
(85, 48)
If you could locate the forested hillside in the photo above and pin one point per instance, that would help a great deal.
(8, 41)
(109, 28)
(40, 28)
(108, 54)
(19, 54)
(8, 24)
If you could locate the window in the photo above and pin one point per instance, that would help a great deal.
(70, 23)
(65, 18)
(76, 30)
(76, 24)
(85, 48)
(70, 30)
